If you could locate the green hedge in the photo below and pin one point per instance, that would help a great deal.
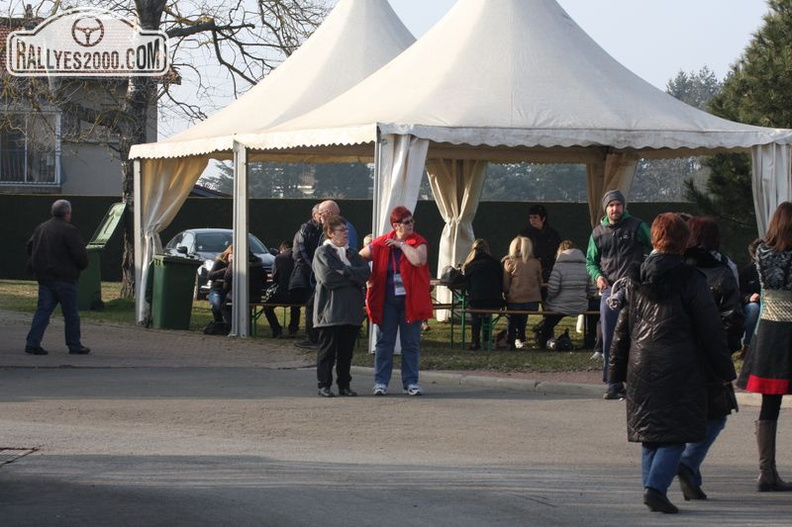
(274, 220)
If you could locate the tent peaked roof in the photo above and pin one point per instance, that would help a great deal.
(510, 73)
(356, 39)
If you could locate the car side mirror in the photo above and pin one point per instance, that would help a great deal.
(181, 249)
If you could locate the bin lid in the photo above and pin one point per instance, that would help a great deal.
(108, 225)
(160, 259)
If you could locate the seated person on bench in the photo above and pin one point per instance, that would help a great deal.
(256, 280)
(568, 290)
(484, 285)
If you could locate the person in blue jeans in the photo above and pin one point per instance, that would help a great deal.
(669, 344)
(616, 248)
(56, 254)
(398, 299)
(750, 290)
(703, 253)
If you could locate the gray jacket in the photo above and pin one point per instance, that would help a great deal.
(340, 292)
(570, 286)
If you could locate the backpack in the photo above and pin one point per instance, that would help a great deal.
(562, 343)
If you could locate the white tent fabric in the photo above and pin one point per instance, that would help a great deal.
(520, 80)
(512, 80)
(457, 185)
(512, 73)
(357, 38)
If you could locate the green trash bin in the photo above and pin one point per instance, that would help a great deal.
(173, 285)
(89, 287)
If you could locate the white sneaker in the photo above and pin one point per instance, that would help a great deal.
(413, 389)
(598, 356)
(380, 389)
(518, 344)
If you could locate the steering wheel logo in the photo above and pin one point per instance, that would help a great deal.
(88, 31)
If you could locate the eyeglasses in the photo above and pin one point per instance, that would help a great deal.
(407, 222)
(341, 229)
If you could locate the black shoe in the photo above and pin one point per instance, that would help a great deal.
(658, 502)
(277, 333)
(307, 344)
(325, 392)
(690, 491)
(82, 350)
(614, 395)
(347, 392)
(35, 350)
(474, 346)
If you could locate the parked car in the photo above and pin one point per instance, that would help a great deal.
(207, 244)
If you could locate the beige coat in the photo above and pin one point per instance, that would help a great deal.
(522, 281)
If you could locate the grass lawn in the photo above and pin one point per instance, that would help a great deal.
(436, 350)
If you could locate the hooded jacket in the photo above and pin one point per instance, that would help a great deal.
(725, 292)
(669, 331)
(570, 286)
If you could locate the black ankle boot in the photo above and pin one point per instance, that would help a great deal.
(658, 502)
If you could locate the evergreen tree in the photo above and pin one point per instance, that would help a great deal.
(663, 179)
(757, 91)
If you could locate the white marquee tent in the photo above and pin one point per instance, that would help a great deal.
(356, 39)
(500, 80)
(507, 80)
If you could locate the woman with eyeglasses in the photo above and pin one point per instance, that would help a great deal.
(341, 276)
(398, 299)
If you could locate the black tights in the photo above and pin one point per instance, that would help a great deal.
(771, 407)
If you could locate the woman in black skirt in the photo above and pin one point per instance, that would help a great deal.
(768, 364)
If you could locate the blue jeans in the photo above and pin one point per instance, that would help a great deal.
(659, 464)
(50, 294)
(216, 300)
(694, 453)
(751, 312)
(608, 319)
(393, 320)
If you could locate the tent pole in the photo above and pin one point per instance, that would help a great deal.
(240, 314)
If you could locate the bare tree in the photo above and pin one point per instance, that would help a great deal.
(245, 39)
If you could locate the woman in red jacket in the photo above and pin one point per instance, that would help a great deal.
(398, 299)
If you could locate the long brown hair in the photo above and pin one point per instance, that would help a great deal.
(779, 231)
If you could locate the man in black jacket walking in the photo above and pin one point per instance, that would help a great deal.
(57, 255)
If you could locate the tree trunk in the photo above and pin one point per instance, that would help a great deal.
(141, 93)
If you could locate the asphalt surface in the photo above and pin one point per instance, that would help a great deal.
(177, 428)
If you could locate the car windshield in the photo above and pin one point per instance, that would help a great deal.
(216, 242)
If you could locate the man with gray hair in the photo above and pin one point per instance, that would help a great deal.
(56, 254)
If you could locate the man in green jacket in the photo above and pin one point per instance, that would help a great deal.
(616, 249)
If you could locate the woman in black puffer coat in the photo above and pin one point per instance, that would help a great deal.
(669, 327)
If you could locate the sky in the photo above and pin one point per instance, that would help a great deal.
(655, 39)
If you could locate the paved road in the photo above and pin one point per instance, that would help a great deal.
(172, 428)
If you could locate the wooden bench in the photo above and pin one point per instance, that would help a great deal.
(496, 314)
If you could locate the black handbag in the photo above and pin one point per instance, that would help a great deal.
(269, 293)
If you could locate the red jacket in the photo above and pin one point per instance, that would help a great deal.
(417, 301)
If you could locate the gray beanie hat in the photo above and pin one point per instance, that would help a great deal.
(613, 195)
